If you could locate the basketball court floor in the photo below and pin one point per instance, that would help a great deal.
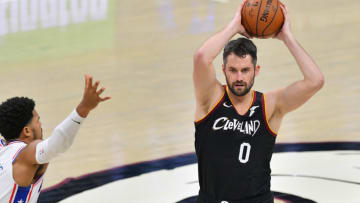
(139, 146)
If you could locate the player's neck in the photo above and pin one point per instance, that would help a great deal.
(16, 140)
(240, 100)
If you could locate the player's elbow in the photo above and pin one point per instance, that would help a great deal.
(200, 58)
(318, 82)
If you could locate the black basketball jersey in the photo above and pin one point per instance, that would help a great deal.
(234, 151)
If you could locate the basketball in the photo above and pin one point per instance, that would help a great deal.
(262, 18)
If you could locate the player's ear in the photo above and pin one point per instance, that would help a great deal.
(223, 68)
(257, 70)
(26, 132)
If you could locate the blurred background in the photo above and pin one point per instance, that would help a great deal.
(141, 51)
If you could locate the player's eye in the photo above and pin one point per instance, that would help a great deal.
(245, 70)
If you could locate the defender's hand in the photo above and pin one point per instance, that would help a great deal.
(91, 97)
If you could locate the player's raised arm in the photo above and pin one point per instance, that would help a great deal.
(207, 88)
(297, 93)
(42, 151)
(63, 135)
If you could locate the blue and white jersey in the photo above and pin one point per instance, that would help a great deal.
(2, 143)
(10, 192)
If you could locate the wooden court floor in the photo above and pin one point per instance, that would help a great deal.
(142, 53)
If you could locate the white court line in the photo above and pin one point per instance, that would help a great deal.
(169, 186)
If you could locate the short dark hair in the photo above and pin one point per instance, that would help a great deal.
(240, 47)
(15, 114)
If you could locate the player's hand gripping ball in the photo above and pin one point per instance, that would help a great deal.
(262, 18)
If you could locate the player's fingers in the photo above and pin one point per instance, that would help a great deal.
(246, 35)
(242, 4)
(284, 9)
(239, 9)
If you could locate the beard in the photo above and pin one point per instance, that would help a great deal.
(243, 90)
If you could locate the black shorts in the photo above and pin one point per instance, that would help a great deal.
(264, 198)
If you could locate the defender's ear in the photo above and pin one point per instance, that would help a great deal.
(26, 133)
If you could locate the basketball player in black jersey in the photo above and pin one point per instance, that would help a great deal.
(235, 126)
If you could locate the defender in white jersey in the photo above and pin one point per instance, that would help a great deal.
(24, 155)
(9, 190)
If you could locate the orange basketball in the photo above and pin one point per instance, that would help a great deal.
(262, 18)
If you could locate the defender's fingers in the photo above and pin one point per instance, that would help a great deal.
(90, 82)
(105, 98)
(86, 81)
(96, 85)
(100, 91)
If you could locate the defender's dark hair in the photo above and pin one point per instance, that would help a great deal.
(15, 114)
(240, 47)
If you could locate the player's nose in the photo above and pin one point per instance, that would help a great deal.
(239, 76)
